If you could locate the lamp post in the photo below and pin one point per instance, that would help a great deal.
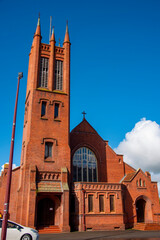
(9, 173)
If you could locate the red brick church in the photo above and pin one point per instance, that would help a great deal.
(70, 180)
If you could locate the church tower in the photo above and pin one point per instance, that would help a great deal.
(43, 197)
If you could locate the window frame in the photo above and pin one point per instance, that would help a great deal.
(101, 203)
(49, 149)
(43, 105)
(90, 203)
(58, 75)
(56, 107)
(112, 202)
(44, 70)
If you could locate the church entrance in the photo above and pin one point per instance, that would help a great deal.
(45, 212)
(140, 208)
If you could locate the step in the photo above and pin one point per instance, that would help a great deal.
(49, 229)
(147, 226)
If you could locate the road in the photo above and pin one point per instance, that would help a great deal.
(102, 235)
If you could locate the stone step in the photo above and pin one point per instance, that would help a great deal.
(147, 226)
(49, 229)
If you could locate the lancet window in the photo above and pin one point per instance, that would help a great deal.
(84, 166)
(58, 83)
(43, 81)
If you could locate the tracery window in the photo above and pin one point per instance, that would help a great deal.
(84, 166)
(43, 81)
(58, 83)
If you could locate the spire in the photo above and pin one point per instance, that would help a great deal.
(66, 39)
(38, 30)
(52, 36)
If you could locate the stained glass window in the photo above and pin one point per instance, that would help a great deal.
(84, 166)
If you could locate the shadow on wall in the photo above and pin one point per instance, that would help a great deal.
(74, 209)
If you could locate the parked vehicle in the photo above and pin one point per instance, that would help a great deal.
(16, 231)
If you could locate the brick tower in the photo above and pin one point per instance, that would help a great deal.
(43, 196)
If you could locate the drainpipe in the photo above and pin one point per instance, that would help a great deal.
(84, 225)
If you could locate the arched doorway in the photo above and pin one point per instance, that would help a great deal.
(45, 212)
(140, 208)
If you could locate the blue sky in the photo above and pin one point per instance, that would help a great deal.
(115, 62)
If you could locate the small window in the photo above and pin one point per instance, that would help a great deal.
(43, 109)
(112, 203)
(0, 223)
(56, 110)
(144, 183)
(137, 183)
(90, 203)
(101, 203)
(48, 149)
(140, 182)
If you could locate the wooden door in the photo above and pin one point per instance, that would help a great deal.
(45, 212)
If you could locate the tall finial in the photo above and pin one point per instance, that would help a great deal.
(66, 39)
(50, 28)
(67, 26)
(52, 36)
(38, 24)
(53, 30)
(84, 113)
(59, 43)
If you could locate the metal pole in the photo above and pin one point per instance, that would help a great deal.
(9, 173)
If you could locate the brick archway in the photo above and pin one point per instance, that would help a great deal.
(140, 208)
(144, 209)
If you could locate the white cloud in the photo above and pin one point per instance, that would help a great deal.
(2, 167)
(141, 147)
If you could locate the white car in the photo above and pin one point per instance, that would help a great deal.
(16, 231)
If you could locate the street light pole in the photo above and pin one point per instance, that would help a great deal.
(9, 173)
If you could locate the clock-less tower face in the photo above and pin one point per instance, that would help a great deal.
(47, 115)
(46, 152)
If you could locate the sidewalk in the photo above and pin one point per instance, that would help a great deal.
(100, 235)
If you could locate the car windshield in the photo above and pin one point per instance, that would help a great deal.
(11, 225)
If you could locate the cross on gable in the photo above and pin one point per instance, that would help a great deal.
(84, 113)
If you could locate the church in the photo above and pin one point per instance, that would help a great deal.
(71, 181)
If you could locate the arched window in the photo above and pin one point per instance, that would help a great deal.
(140, 182)
(84, 166)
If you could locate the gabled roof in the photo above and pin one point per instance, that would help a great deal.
(85, 127)
(130, 176)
